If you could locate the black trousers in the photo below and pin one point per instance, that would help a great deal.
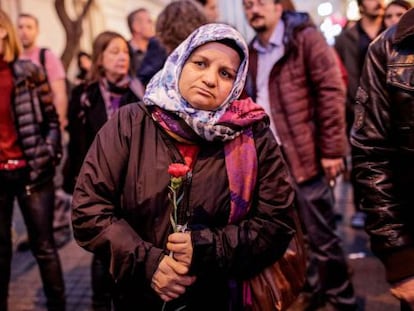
(328, 277)
(37, 209)
(103, 286)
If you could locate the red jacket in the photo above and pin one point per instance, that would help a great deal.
(307, 97)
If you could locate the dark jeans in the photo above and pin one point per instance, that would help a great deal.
(37, 209)
(328, 276)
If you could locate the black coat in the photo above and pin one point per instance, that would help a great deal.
(84, 122)
(121, 210)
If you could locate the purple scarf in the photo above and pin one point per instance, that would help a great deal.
(240, 152)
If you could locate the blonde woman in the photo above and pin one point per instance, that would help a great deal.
(29, 151)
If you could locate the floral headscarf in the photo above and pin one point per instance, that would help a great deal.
(163, 91)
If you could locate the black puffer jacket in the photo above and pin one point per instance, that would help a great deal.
(383, 135)
(36, 121)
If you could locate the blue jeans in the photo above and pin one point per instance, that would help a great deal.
(37, 210)
(328, 276)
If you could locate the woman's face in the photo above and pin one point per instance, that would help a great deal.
(115, 60)
(393, 14)
(208, 75)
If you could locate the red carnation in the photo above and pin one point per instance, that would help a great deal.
(178, 170)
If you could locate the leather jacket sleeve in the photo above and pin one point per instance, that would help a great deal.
(380, 150)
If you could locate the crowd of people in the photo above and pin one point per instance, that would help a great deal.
(255, 130)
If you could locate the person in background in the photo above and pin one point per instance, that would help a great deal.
(84, 62)
(30, 148)
(295, 76)
(28, 31)
(230, 225)
(170, 32)
(141, 26)
(210, 9)
(394, 10)
(109, 86)
(352, 45)
(383, 138)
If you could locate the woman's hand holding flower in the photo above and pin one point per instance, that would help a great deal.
(170, 280)
(180, 245)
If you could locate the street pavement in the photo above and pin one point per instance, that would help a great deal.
(26, 293)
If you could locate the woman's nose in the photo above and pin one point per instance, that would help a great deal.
(209, 78)
(124, 55)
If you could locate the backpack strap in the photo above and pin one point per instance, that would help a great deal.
(42, 57)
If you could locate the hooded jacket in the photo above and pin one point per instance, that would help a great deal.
(307, 97)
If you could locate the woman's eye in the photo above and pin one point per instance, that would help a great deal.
(200, 64)
(226, 74)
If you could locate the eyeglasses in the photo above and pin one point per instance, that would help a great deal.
(248, 5)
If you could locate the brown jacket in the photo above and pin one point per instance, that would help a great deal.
(307, 97)
(121, 210)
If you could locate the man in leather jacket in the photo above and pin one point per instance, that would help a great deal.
(352, 45)
(383, 136)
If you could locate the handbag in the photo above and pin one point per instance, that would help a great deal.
(278, 285)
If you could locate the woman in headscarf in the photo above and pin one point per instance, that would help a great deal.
(187, 193)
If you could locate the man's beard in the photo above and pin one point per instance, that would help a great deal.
(27, 45)
(260, 29)
(374, 16)
(377, 13)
